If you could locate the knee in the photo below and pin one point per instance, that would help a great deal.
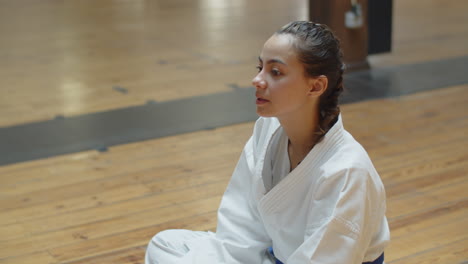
(162, 238)
(165, 247)
(157, 242)
(171, 240)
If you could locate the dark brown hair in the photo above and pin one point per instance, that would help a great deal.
(319, 51)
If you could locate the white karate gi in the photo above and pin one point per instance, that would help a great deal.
(329, 209)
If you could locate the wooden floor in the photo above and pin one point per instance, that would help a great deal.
(74, 57)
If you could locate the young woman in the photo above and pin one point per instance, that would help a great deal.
(303, 191)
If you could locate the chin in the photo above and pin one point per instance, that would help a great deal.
(264, 113)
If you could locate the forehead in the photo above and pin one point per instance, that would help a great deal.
(279, 46)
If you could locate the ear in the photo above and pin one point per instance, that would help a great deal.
(317, 85)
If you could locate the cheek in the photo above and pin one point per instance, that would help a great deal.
(279, 92)
(285, 88)
(282, 84)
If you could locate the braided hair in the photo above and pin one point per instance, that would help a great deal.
(319, 51)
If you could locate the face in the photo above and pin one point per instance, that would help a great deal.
(282, 89)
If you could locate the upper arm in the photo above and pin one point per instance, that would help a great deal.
(240, 227)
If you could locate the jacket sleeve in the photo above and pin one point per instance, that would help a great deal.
(239, 224)
(240, 236)
(343, 215)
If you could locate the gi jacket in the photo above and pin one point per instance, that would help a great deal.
(329, 209)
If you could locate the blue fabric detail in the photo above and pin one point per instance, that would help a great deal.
(379, 260)
(270, 250)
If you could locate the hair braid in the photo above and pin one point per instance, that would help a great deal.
(329, 108)
(319, 51)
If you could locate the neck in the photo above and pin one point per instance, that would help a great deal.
(301, 131)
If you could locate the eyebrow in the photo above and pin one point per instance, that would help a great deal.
(272, 61)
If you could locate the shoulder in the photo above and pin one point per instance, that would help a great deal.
(350, 154)
(348, 164)
(349, 157)
(339, 151)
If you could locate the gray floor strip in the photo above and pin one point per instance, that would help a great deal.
(154, 120)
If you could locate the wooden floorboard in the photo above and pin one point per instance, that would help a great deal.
(70, 63)
(113, 221)
(103, 207)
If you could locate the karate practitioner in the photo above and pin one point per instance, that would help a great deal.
(303, 191)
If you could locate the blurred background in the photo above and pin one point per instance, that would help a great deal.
(122, 118)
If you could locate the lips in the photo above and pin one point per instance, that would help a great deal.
(261, 101)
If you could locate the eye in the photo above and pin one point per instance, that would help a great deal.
(259, 68)
(275, 72)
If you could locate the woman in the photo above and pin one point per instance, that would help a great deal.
(303, 191)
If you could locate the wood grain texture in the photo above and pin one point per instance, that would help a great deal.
(75, 57)
(177, 182)
(70, 58)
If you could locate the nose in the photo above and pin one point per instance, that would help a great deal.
(259, 82)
